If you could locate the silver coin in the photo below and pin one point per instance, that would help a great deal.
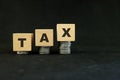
(22, 52)
(65, 51)
(65, 45)
(44, 50)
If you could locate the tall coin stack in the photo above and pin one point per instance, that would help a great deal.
(65, 47)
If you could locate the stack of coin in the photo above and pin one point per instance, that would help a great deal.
(22, 52)
(44, 50)
(65, 47)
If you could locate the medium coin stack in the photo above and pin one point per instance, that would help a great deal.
(44, 50)
(65, 47)
(22, 52)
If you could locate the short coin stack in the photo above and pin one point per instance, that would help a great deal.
(44, 50)
(22, 52)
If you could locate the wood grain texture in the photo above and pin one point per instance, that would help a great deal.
(27, 43)
(38, 36)
(60, 32)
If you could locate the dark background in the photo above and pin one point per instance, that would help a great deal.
(97, 39)
(97, 22)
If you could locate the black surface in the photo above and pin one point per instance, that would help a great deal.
(97, 29)
(82, 66)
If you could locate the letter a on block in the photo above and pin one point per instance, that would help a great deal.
(22, 41)
(65, 32)
(44, 37)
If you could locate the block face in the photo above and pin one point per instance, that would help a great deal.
(22, 41)
(65, 32)
(44, 37)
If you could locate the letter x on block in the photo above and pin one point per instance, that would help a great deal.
(65, 32)
(22, 41)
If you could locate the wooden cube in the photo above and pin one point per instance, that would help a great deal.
(65, 32)
(44, 37)
(22, 41)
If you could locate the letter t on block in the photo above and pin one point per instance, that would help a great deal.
(22, 41)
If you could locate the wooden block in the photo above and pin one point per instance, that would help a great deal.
(22, 41)
(44, 37)
(65, 32)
